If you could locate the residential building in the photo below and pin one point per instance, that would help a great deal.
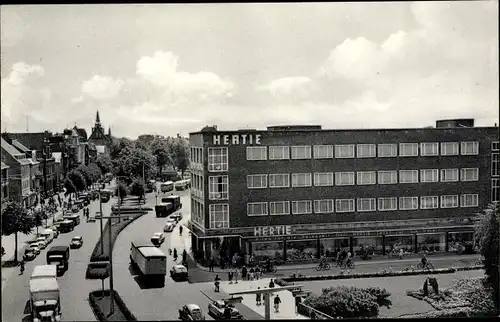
(5, 182)
(298, 192)
(19, 174)
(99, 137)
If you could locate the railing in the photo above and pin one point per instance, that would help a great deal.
(312, 313)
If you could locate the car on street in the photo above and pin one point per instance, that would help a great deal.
(171, 220)
(35, 247)
(179, 272)
(76, 242)
(169, 227)
(42, 242)
(177, 216)
(55, 229)
(29, 254)
(158, 239)
(217, 309)
(191, 312)
(75, 209)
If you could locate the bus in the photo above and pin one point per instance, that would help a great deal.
(182, 184)
(166, 186)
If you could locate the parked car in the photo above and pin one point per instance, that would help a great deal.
(191, 312)
(55, 229)
(76, 242)
(158, 239)
(75, 209)
(217, 309)
(177, 216)
(169, 227)
(35, 247)
(179, 272)
(29, 254)
(42, 242)
(172, 221)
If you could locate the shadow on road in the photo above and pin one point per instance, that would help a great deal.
(133, 270)
(27, 308)
(27, 318)
(9, 264)
(145, 286)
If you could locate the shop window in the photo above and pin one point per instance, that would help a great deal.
(408, 176)
(469, 174)
(256, 153)
(429, 175)
(322, 179)
(329, 247)
(449, 175)
(366, 150)
(344, 178)
(429, 243)
(366, 177)
(408, 149)
(461, 242)
(301, 152)
(217, 159)
(279, 180)
(387, 150)
(219, 216)
(218, 187)
(365, 247)
(449, 148)
(301, 179)
(387, 177)
(273, 250)
(299, 250)
(344, 151)
(279, 153)
(469, 148)
(429, 149)
(393, 244)
(323, 151)
(256, 181)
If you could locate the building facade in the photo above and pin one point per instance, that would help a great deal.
(298, 192)
(5, 182)
(99, 138)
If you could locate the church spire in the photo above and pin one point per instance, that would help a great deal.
(97, 118)
(109, 131)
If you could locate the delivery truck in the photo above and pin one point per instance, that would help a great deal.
(150, 261)
(44, 271)
(174, 200)
(59, 256)
(45, 303)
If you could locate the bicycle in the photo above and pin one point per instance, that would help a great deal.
(323, 267)
(427, 265)
(347, 264)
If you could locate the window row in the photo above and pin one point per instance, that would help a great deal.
(282, 180)
(196, 155)
(362, 205)
(361, 150)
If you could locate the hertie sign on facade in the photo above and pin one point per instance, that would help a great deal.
(272, 231)
(236, 139)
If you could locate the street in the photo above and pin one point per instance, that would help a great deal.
(73, 285)
(154, 303)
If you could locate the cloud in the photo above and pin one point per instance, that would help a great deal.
(23, 94)
(13, 27)
(298, 87)
(102, 87)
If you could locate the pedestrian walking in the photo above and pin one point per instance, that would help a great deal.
(217, 283)
(236, 274)
(244, 273)
(257, 273)
(277, 302)
(211, 265)
(298, 301)
(230, 276)
(258, 298)
(271, 283)
(184, 255)
(175, 255)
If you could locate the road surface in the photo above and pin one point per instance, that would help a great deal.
(153, 303)
(73, 285)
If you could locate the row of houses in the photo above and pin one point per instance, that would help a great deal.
(37, 163)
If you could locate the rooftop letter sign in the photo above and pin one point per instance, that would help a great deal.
(272, 230)
(236, 139)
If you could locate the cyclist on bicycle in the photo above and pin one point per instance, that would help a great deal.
(424, 260)
(322, 260)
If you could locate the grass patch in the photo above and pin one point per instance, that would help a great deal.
(100, 303)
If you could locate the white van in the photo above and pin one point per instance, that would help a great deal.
(48, 234)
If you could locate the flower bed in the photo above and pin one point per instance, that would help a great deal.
(100, 307)
(287, 280)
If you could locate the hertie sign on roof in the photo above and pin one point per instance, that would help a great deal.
(236, 139)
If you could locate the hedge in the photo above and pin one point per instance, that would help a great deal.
(286, 280)
(95, 296)
(97, 273)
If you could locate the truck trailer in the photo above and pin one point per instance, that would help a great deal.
(150, 261)
(44, 271)
(45, 303)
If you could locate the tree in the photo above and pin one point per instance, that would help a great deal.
(104, 163)
(70, 186)
(85, 171)
(15, 219)
(138, 188)
(159, 148)
(487, 235)
(182, 161)
(78, 180)
(38, 216)
(121, 191)
(95, 172)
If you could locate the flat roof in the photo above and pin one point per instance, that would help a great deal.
(43, 284)
(151, 251)
(45, 270)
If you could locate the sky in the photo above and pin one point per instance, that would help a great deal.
(174, 68)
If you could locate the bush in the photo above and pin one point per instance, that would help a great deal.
(95, 297)
(346, 302)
